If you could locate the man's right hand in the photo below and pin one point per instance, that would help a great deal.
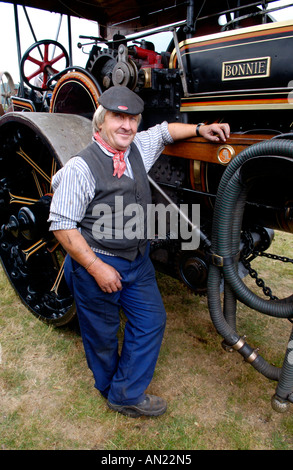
(108, 279)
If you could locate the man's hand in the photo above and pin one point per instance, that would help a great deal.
(108, 279)
(215, 132)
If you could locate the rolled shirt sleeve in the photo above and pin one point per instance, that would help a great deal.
(151, 143)
(73, 188)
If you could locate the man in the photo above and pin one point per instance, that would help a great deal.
(106, 269)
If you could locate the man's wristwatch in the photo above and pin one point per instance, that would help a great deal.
(197, 128)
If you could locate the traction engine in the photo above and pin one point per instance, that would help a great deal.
(242, 75)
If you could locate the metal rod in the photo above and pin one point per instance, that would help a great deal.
(31, 27)
(180, 64)
(194, 228)
(69, 39)
(57, 35)
(21, 86)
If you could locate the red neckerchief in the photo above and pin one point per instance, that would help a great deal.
(118, 156)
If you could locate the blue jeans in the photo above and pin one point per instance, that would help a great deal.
(123, 379)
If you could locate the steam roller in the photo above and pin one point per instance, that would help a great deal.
(244, 188)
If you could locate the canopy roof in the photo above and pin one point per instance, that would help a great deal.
(134, 15)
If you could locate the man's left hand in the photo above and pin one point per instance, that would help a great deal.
(215, 132)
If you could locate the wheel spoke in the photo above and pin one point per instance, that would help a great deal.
(21, 200)
(35, 74)
(34, 165)
(40, 191)
(54, 168)
(58, 280)
(56, 59)
(35, 61)
(46, 52)
(34, 248)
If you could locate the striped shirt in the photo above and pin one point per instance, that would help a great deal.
(74, 186)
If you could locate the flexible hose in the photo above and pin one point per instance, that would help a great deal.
(224, 247)
(285, 385)
(227, 224)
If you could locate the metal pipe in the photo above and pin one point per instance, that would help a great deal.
(57, 35)
(21, 86)
(30, 25)
(190, 19)
(69, 39)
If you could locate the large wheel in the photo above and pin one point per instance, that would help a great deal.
(40, 62)
(33, 146)
(7, 89)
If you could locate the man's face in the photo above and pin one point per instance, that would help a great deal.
(119, 129)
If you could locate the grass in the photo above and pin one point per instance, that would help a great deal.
(215, 400)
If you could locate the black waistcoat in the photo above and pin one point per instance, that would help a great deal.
(116, 219)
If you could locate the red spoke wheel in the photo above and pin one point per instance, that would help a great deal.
(41, 61)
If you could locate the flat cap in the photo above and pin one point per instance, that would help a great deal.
(121, 99)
